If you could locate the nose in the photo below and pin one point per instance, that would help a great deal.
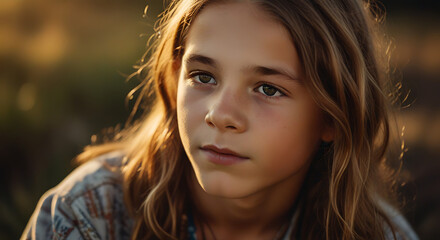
(226, 113)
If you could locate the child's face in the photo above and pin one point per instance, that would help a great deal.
(231, 100)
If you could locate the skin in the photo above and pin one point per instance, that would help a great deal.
(227, 104)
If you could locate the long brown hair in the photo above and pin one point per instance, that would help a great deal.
(337, 43)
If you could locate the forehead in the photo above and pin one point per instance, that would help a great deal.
(241, 33)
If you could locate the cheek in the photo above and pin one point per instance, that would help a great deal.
(189, 111)
(182, 114)
(289, 139)
(288, 151)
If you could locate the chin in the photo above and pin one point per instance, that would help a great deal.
(224, 188)
(226, 193)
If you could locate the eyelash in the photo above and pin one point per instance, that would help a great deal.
(192, 76)
(271, 86)
(195, 74)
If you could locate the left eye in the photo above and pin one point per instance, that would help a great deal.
(270, 91)
(203, 78)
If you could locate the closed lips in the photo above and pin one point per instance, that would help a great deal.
(224, 151)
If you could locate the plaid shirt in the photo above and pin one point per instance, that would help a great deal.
(88, 204)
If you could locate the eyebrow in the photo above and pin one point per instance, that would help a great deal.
(261, 70)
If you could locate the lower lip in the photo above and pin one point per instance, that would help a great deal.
(223, 159)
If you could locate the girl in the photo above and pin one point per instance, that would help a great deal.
(269, 120)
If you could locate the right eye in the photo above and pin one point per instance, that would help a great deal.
(203, 78)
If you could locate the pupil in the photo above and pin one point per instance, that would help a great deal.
(204, 78)
(269, 90)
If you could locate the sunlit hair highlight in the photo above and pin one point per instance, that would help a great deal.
(344, 70)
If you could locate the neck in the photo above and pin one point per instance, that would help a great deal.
(258, 216)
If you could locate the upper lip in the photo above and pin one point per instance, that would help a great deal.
(221, 150)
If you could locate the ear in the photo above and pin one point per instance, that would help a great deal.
(328, 132)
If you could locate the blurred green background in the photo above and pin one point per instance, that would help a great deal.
(63, 66)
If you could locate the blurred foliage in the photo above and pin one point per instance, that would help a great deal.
(63, 66)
